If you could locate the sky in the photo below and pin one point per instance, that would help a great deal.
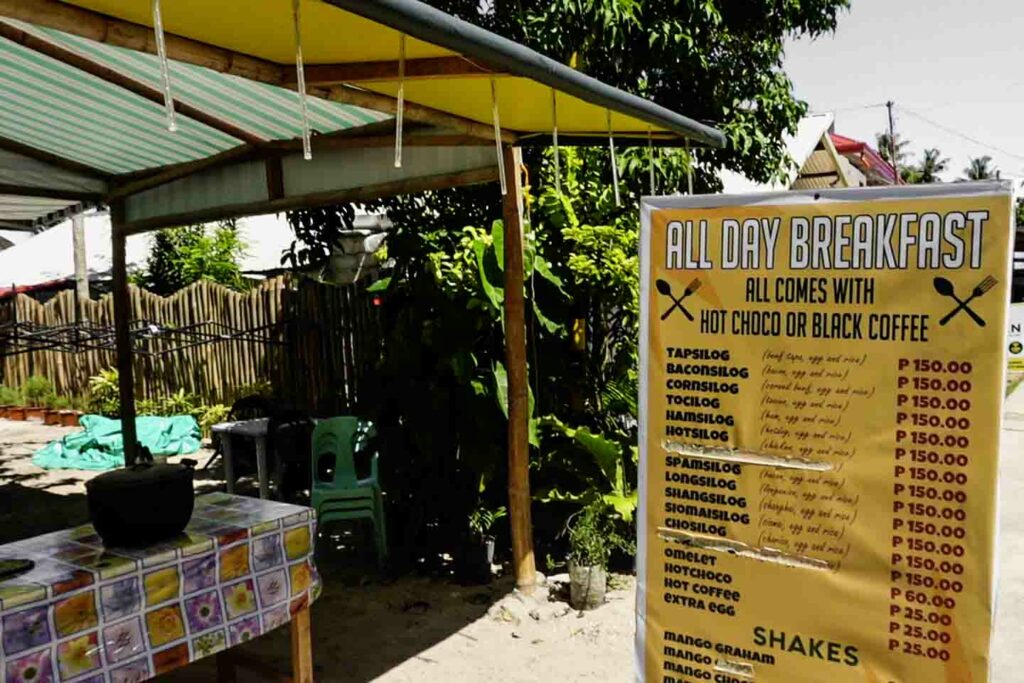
(955, 63)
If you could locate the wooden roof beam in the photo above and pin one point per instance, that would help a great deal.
(415, 69)
(105, 73)
(267, 150)
(18, 226)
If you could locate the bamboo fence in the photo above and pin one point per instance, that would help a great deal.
(320, 340)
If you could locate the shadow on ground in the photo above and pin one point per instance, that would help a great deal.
(28, 506)
(364, 624)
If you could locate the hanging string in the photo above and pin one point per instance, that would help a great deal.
(650, 159)
(689, 168)
(554, 139)
(300, 72)
(165, 70)
(400, 112)
(497, 136)
(615, 163)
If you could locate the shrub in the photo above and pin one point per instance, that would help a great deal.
(37, 390)
(9, 396)
(593, 537)
(104, 398)
(59, 403)
(211, 415)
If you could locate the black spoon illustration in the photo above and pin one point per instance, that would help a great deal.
(665, 289)
(945, 288)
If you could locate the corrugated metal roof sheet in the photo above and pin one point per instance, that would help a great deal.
(62, 110)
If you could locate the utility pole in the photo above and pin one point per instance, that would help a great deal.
(892, 142)
(81, 268)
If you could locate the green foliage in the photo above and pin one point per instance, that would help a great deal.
(184, 255)
(439, 393)
(981, 168)
(593, 536)
(60, 403)
(318, 234)
(37, 391)
(602, 482)
(928, 170)
(10, 396)
(482, 520)
(104, 397)
(210, 415)
(262, 388)
(712, 60)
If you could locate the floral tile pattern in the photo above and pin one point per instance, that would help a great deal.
(93, 615)
(203, 612)
(33, 668)
(124, 640)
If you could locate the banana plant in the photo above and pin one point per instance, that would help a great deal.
(609, 485)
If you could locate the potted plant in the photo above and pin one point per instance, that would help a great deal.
(9, 398)
(592, 538)
(478, 553)
(36, 391)
(56, 406)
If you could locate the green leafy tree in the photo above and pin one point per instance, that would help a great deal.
(884, 143)
(181, 256)
(440, 375)
(980, 168)
(714, 60)
(932, 164)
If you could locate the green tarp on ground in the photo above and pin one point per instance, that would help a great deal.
(99, 445)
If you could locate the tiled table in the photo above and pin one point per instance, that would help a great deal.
(243, 566)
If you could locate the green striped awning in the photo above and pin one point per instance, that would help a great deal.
(57, 108)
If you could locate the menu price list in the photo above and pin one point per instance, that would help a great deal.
(930, 487)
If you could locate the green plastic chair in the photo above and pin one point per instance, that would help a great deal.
(337, 493)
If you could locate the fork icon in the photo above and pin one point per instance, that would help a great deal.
(945, 288)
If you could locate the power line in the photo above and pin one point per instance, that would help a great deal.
(855, 108)
(958, 134)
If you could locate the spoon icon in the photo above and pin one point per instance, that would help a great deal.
(945, 288)
(665, 289)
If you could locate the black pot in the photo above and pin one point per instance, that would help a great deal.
(143, 504)
(474, 565)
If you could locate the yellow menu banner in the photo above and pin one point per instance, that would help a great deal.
(821, 397)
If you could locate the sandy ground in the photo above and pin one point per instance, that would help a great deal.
(366, 628)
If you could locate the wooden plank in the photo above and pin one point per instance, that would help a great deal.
(302, 648)
(388, 70)
(355, 194)
(516, 366)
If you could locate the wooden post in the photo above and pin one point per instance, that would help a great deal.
(122, 333)
(515, 362)
(302, 648)
(81, 268)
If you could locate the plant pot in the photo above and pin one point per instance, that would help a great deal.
(69, 418)
(475, 562)
(143, 504)
(15, 413)
(587, 586)
(51, 417)
(3, 411)
(35, 413)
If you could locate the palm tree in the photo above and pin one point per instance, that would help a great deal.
(932, 164)
(885, 148)
(980, 168)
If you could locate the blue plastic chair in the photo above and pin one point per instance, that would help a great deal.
(338, 494)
